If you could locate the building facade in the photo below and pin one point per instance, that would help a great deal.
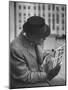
(54, 15)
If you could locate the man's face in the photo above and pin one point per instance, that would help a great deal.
(36, 39)
(39, 41)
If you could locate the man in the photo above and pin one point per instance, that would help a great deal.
(26, 69)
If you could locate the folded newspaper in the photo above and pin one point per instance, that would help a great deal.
(52, 61)
(59, 52)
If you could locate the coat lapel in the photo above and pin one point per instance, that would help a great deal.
(27, 45)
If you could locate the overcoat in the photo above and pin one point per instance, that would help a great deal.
(24, 70)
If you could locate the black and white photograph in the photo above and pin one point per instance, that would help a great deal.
(37, 44)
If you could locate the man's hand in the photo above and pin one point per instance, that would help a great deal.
(47, 64)
(49, 67)
(52, 73)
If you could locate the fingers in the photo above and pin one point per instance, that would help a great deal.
(52, 73)
(59, 62)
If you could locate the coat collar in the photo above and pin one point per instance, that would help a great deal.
(29, 46)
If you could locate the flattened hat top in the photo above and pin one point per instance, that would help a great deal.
(35, 25)
(36, 21)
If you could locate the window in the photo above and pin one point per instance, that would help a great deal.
(53, 7)
(53, 26)
(24, 7)
(62, 27)
(34, 7)
(43, 6)
(57, 18)
(62, 8)
(24, 21)
(53, 15)
(19, 14)
(39, 7)
(19, 6)
(19, 27)
(62, 21)
(29, 14)
(49, 14)
(39, 14)
(34, 14)
(53, 20)
(62, 14)
(57, 28)
(43, 14)
(20, 21)
(49, 7)
(24, 14)
(57, 8)
(28, 7)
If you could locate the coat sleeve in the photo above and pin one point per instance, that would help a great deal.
(21, 71)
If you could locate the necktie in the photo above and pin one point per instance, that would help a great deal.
(39, 54)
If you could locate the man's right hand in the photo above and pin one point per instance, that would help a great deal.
(52, 73)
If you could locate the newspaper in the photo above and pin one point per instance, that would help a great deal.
(57, 58)
(59, 52)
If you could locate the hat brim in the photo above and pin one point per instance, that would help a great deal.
(37, 31)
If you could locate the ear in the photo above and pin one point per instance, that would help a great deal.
(24, 33)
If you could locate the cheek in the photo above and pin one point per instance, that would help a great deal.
(42, 42)
(36, 38)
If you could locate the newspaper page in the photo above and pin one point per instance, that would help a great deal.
(52, 61)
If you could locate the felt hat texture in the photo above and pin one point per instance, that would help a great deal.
(35, 25)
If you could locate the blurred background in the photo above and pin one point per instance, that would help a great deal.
(55, 17)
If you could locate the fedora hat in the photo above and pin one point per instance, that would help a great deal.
(35, 25)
